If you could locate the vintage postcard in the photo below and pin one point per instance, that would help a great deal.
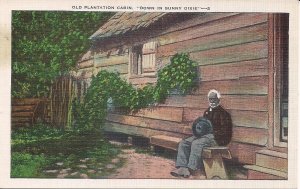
(149, 95)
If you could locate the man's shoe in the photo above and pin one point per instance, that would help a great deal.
(185, 172)
(177, 172)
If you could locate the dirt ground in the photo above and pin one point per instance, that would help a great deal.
(145, 166)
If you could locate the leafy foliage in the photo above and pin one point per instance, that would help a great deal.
(25, 165)
(180, 74)
(40, 147)
(48, 44)
(39, 133)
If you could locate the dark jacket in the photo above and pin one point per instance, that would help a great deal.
(222, 125)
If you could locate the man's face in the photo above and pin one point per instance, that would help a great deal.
(213, 100)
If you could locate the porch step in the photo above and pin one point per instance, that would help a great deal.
(272, 160)
(165, 141)
(262, 173)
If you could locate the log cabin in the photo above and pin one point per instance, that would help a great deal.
(242, 55)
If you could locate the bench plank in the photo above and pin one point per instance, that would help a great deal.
(165, 141)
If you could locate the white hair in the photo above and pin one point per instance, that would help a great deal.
(214, 91)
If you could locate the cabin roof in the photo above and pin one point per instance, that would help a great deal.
(123, 22)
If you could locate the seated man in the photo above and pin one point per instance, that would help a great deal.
(190, 149)
(220, 118)
(214, 128)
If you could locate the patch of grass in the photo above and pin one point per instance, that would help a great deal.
(38, 133)
(35, 150)
(26, 165)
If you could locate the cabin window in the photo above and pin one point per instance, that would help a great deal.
(281, 79)
(284, 80)
(142, 59)
(136, 60)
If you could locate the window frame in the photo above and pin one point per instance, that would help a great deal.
(276, 67)
(142, 71)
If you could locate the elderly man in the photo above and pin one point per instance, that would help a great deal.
(220, 118)
(214, 128)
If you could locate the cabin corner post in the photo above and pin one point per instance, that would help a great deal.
(270, 143)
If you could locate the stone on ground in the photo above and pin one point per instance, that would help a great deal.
(91, 171)
(74, 173)
(59, 163)
(110, 166)
(85, 176)
(123, 156)
(116, 143)
(62, 175)
(63, 171)
(51, 171)
(115, 161)
(82, 166)
(128, 151)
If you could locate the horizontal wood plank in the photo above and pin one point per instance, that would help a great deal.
(21, 119)
(250, 135)
(234, 70)
(257, 85)
(236, 53)
(112, 51)
(86, 64)
(165, 141)
(217, 26)
(111, 60)
(25, 108)
(147, 123)
(191, 114)
(272, 162)
(25, 101)
(161, 113)
(88, 55)
(137, 131)
(233, 37)
(232, 102)
(249, 119)
(243, 153)
(22, 114)
(142, 80)
(261, 173)
(120, 68)
(245, 102)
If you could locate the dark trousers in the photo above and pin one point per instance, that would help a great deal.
(190, 151)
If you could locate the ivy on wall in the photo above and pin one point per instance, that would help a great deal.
(180, 75)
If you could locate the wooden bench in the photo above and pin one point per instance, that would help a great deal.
(213, 162)
(212, 156)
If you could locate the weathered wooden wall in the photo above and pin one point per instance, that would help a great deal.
(232, 52)
(27, 111)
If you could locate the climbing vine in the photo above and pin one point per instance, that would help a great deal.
(180, 75)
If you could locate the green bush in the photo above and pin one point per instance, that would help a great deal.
(25, 165)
